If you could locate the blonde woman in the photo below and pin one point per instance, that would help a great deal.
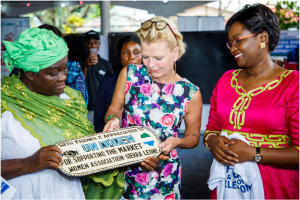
(155, 96)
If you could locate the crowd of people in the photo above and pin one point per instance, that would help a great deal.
(48, 98)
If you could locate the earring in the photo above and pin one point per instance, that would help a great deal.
(174, 66)
(262, 45)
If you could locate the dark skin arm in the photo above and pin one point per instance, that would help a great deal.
(220, 151)
(286, 158)
(45, 157)
(239, 152)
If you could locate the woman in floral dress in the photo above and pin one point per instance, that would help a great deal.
(158, 98)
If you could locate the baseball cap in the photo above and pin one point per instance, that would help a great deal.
(91, 34)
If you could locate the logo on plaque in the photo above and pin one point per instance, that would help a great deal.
(147, 139)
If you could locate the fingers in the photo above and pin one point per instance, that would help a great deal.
(227, 140)
(163, 157)
(45, 157)
(161, 145)
(52, 164)
(231, 153)
(150, 164)
(51, 156)
(112, 125)
(92, 60)
(105, 128)
(167, 145)
(53, 160)
(146, 167)
(53, 148)
(221, 152)
(223, 158)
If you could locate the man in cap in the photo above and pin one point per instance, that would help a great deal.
(94, 68)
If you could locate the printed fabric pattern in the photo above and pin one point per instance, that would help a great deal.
(76, 80)
(160, 107)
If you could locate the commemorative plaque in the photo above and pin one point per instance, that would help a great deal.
(108, 150)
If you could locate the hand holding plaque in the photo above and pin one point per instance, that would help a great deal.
(108, 150)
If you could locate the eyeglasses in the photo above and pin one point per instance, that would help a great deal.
(236, 41)
(159, 25)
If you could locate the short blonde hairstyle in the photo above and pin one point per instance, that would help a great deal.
(152, 35)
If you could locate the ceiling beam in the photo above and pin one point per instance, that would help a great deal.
(159, 8)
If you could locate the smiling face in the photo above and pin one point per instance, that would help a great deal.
(248, 52)
(131, 54)
(159, 60)
(51, 80)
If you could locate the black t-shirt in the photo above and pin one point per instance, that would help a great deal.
(94, 76)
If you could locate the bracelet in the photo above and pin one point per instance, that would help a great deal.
(207, 136)
(111, 116)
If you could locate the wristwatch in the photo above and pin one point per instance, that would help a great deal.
(257, 157)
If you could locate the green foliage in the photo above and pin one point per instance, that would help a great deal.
(288, 14)
(66, 19)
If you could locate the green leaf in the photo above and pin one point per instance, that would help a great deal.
(140, 95)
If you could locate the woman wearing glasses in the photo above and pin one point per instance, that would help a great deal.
(158, 98)
(129, 51)
(261, 102)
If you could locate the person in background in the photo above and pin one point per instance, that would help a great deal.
(94, 69)
(260, 102)
(155, 96)
(129, 51)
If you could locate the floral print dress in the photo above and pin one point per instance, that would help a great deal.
(160, 107)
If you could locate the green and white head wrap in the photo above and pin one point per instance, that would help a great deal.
(35, 50)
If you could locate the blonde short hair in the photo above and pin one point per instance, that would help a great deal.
(152, 35)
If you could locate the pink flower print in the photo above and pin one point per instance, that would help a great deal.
(175, 134)
(146, 89)
(139, 66)
(142, 178)
(148, 125)
(186, 103)
(137, 119)
(167, 169)
(168, 88)
(180, 171)
(168, 120)
(135, 102)
(134, 192)
(170, 196)
(124, 123)
(173, 154)
(130, 119)
(127, 87)
(154, 174)
(157, 89)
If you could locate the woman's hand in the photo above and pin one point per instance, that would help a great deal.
(112, 124)
(220, 151)
(244, 151)
(168, 145)
(45, 157)
(152, 163)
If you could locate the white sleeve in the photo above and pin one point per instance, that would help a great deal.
(3, 126)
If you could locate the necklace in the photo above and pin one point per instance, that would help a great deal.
(154, 88)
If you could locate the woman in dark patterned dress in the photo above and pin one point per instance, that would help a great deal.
(155, 96)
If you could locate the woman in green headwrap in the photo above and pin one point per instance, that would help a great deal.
(38, 110)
